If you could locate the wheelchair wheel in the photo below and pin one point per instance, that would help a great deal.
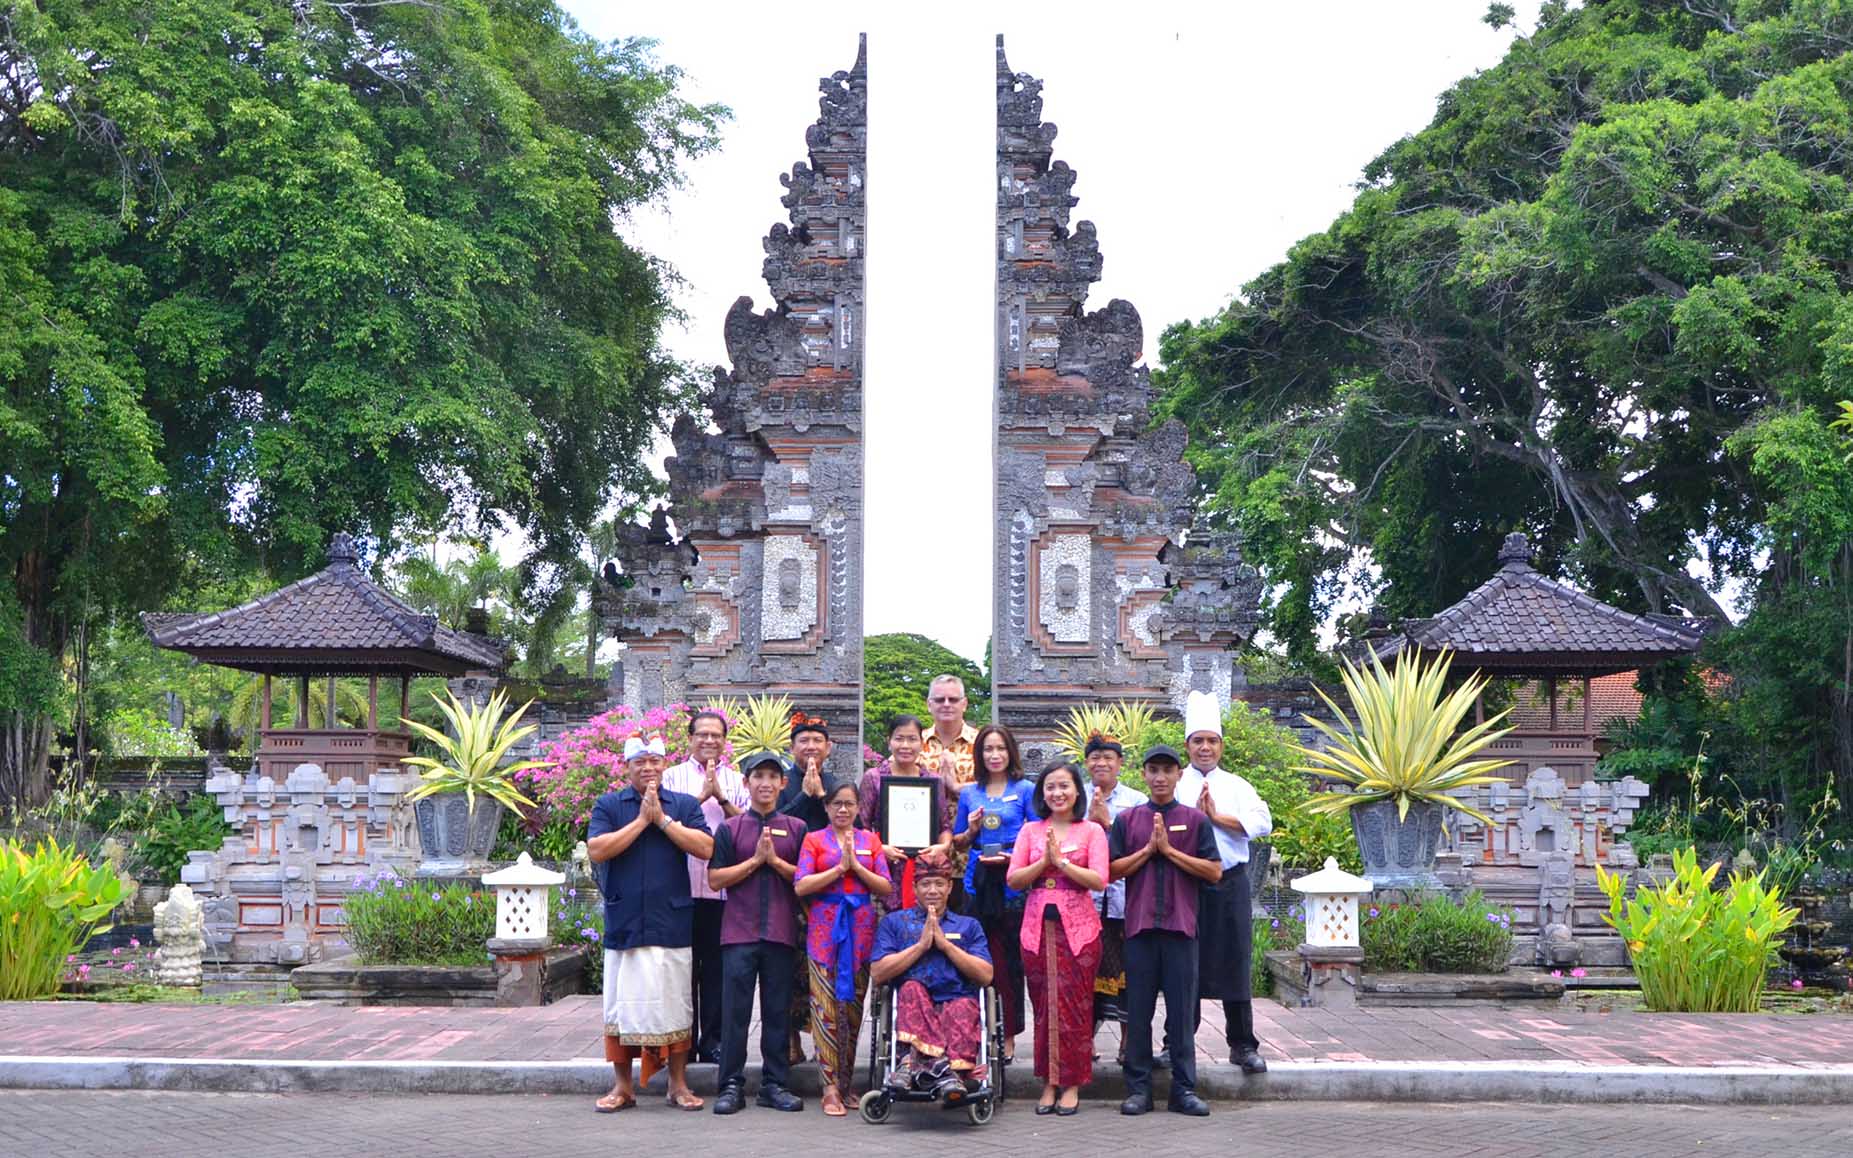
(875, 1106)
(980, 1112)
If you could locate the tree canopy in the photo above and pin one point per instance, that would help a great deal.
(1602, 298)
(271, 270)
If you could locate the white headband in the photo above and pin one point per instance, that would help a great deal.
(635, 747)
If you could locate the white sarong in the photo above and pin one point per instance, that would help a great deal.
(649, 995)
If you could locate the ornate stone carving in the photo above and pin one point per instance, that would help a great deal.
(758, 584)
(1105, 589)
(180, 933)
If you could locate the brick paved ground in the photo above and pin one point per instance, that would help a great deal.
(166, 1125)
(569, 1030)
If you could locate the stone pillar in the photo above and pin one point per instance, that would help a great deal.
(520, 969)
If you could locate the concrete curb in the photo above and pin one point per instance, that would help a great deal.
(1544, 1082)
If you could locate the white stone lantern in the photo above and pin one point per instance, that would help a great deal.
(1331, 905)
(523, 891)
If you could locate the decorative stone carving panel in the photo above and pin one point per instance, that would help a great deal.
(788, 601)
(1064, 597)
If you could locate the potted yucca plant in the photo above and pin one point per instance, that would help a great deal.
(459, 799)
(1402, 759)
(1122, 720)
(758, 724)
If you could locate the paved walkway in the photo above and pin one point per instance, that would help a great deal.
(568, 1031)
(79, 1124)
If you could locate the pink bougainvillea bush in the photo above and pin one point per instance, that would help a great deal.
(589, 762)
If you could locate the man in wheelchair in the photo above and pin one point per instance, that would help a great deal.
(939, 962)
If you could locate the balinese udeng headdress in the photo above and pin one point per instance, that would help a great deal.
(801, 723)
(1101, 742)
(636, 746)
(932, 864)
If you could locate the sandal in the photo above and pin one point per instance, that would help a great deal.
(688, 1100)
(612, 1103)
(833, 1104)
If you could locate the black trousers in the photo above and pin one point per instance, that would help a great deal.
(768, 967)
(707, 968)
(1226, 955)
(1161, 963)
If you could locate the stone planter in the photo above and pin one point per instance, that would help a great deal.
(451, 841)
(1399, 854)
(344, 981)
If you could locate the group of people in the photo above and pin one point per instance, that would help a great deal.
(722, 883)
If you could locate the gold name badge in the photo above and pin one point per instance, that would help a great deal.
(1070, 848)
(1178, 827)
(952, 936)
(778, 832)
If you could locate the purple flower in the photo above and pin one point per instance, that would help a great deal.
(1493, 917)
(1796, 984)
(1373, 908)
(129, 968)
(435, 897)
(1274, 923)
(575, 892)
(1556, 973)
(70, 958)
(134, 943)
(1579, 971)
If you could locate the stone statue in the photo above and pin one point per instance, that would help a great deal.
(1067, 587)
(791, 582)
(180, 931)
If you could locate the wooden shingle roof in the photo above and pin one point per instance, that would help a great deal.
(335, 621)
(1521, 622)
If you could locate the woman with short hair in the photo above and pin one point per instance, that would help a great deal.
(840, 870)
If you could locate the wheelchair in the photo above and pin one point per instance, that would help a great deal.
(885, 1052)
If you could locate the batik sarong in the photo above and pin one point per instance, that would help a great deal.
(950, 1029)
(1061, 988)
(1110, 974)
(835, 1024)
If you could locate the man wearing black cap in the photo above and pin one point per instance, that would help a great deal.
(1164, 850)
(755, 856)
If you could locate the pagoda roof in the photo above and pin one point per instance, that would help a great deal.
(336, 621)
(1521, 622)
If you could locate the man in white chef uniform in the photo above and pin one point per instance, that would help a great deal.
(1225, 924)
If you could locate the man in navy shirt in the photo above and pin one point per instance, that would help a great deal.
(755, 858)
(941, 961)
(640, 839)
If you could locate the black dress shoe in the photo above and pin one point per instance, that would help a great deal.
(1068, 1111)
(1250, 1061)
(1136, 1104)
(710, 1054)
(779, 1098)
(1043, 1111)
(1187, 1102)
(731, 1100)
(1162, 1061)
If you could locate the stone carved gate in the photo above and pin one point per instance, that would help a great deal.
(758, 586)
(1104, 589)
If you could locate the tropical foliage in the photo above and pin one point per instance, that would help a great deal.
(273, 270)
(758, 724)
(1430, 933)
(1124, 720)
(1697, 948)
(585, 763)
(1408, 743)
(51, 902)
(1601, 298)
(473, 752)
(395, 921)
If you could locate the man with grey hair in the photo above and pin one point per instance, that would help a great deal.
(948, 746)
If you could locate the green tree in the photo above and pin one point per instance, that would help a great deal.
(269, 270)
(1602, 298)
(896, 670)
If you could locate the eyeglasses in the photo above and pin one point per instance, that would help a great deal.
(944, 699)
(842, 804)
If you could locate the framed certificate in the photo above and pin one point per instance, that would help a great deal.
(910, 812)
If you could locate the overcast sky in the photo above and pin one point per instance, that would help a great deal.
(1206, 138)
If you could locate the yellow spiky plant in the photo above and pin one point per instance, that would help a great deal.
(1123, 720)
(1407, 744)
(759, 724)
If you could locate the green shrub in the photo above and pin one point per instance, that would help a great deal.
(1432, 934)
(176, 830)
(579, 918)
(1696, 949)
(51, 903)
(393, 921)
(1274, 933)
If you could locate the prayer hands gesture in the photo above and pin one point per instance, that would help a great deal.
(929, 931)
(813, 779)
(1206, 804)
(948, 767)
(847, 844)
(763, 853)
(1052, 850)
(652, 811)
(1161, 839)
(711, 784)
(1097, 809)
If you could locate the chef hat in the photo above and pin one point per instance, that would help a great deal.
(635, 747)
(1202, 714)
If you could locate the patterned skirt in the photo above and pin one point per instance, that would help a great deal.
(835, 1025)
(950, 1029)
(1061, 988)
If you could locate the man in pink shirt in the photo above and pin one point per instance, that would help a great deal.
(721, 792)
